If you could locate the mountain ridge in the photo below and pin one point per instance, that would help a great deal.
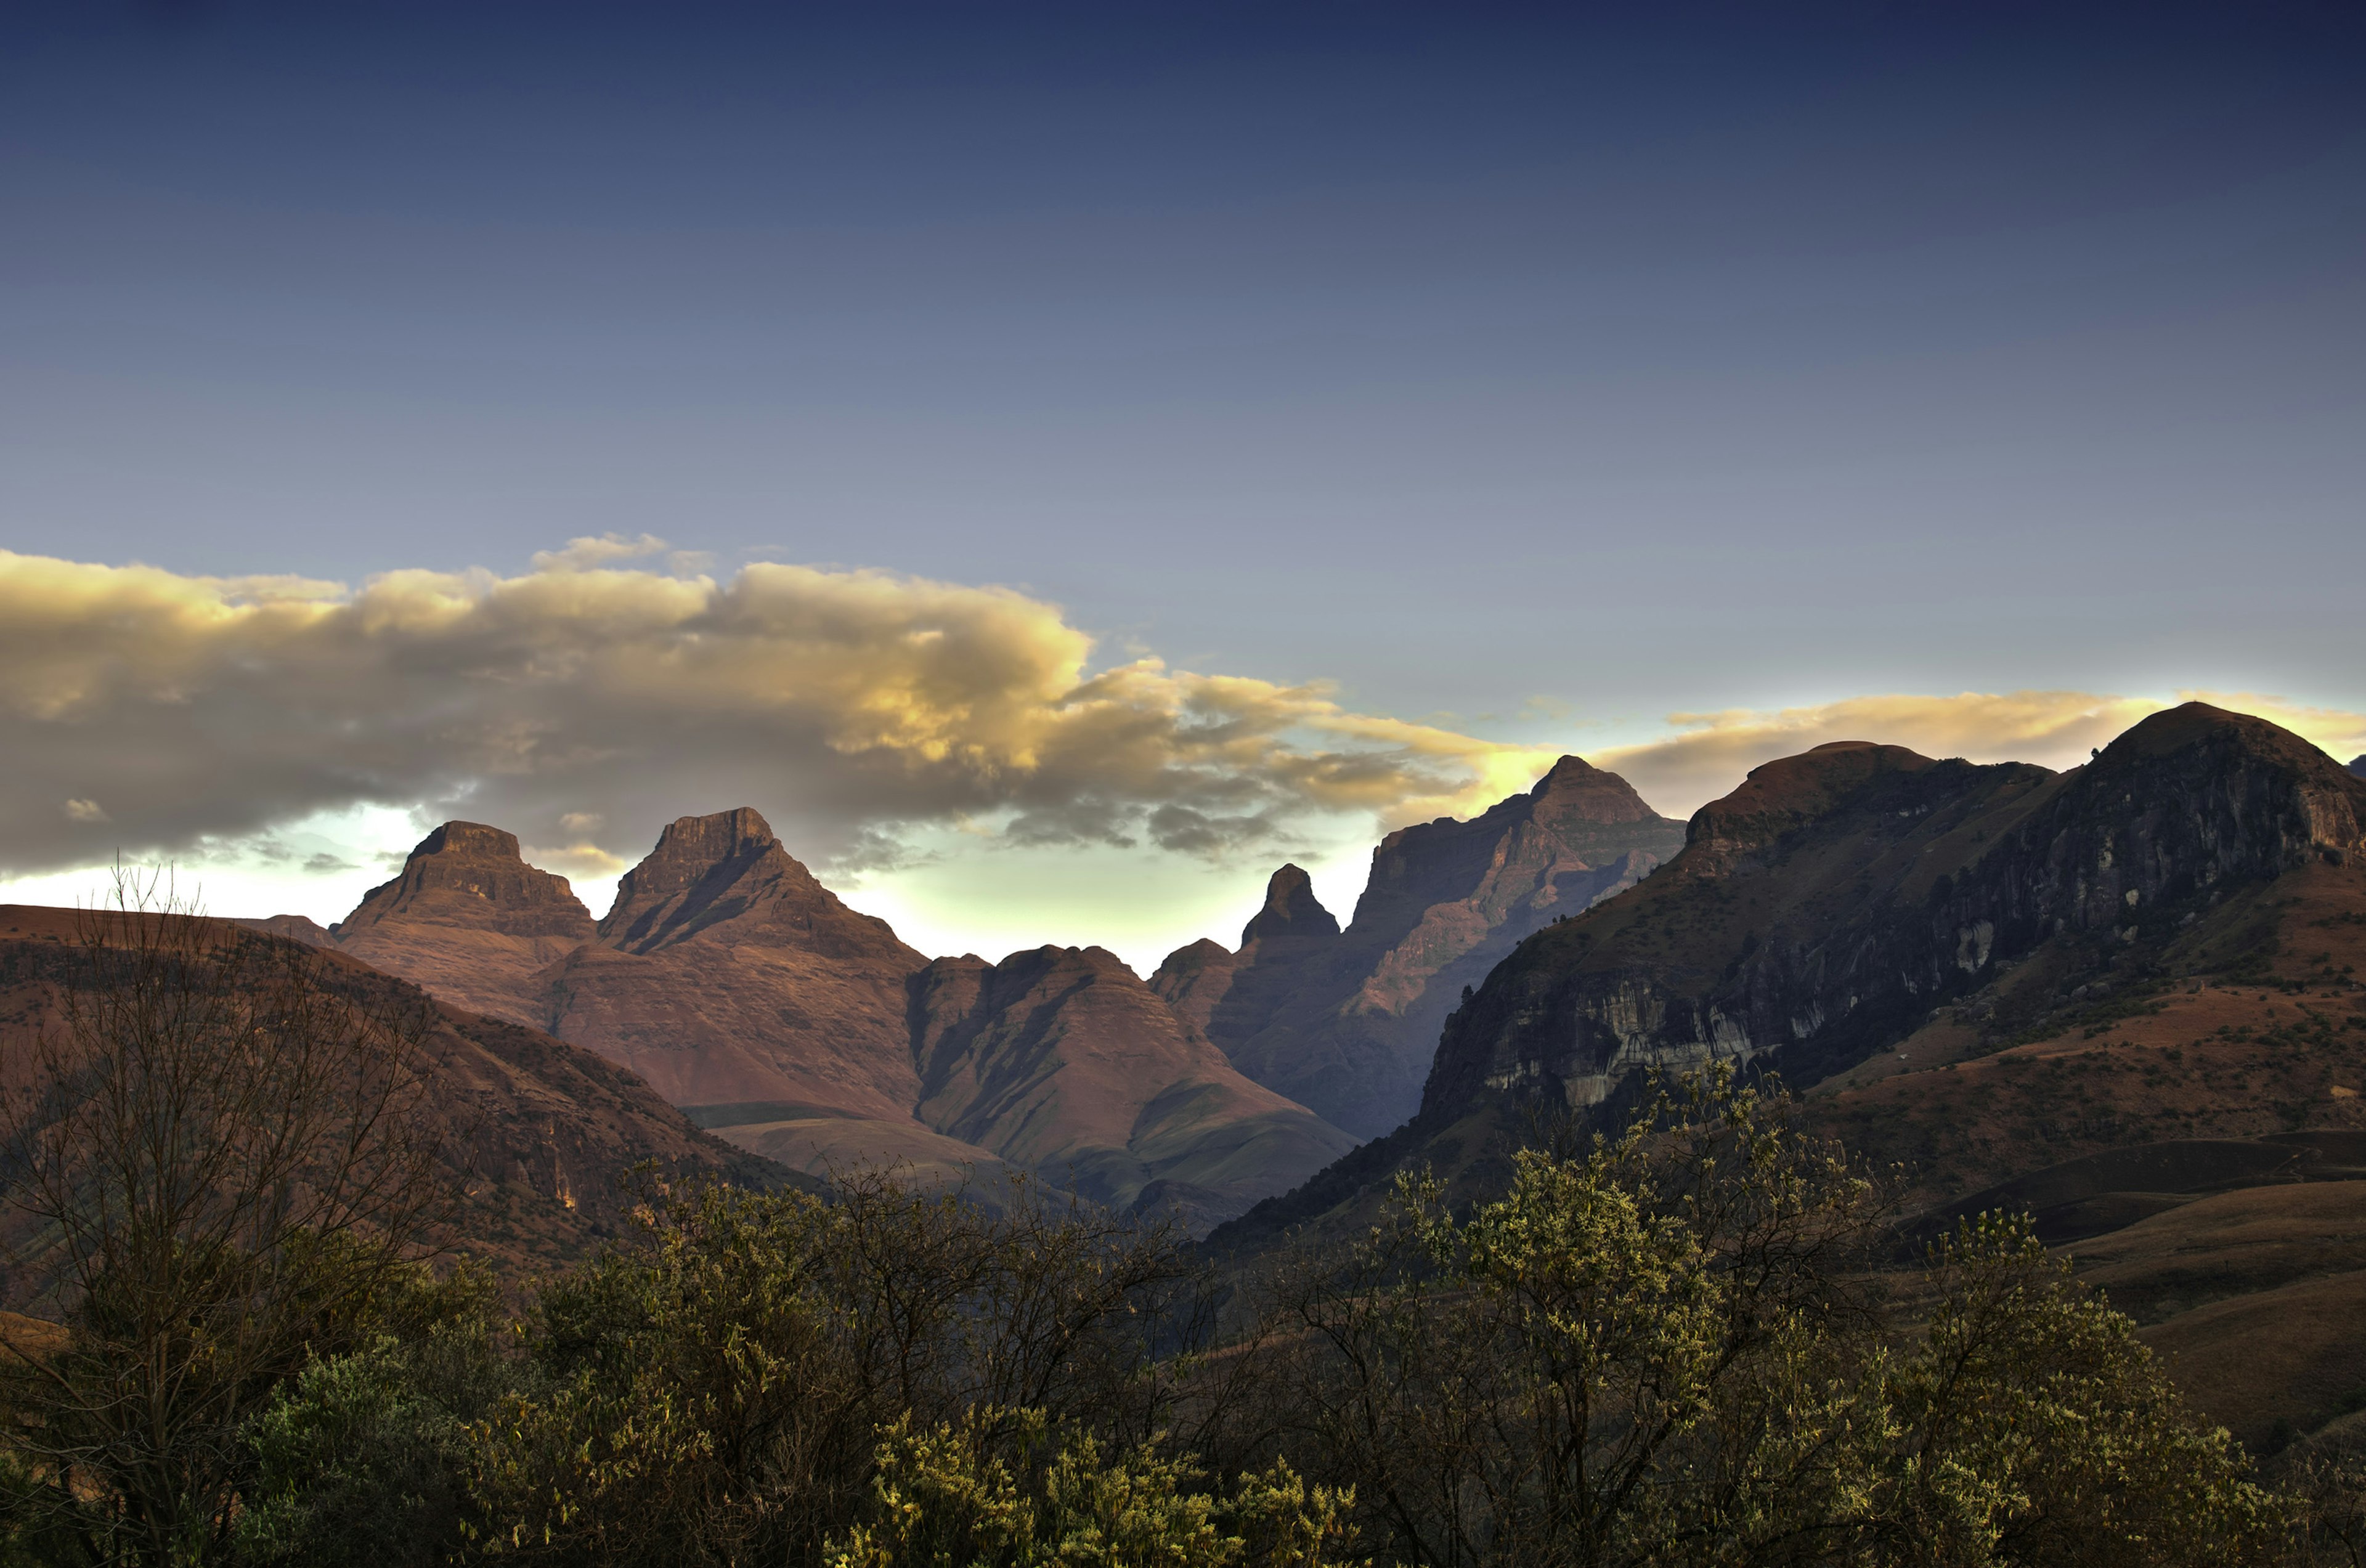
(1832, 905)
(1343, 1021)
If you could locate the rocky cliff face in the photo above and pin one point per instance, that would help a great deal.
(1863, 911)
(1823, 911)
(1062, 1060)
(471, 920)
(739, 985)
(1346, 1021)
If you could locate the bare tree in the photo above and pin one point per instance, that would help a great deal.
(223, 1150)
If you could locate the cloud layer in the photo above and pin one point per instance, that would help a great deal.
(588, 701)
(584, 703)
(1709, 753)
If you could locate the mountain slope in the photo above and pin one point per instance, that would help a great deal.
(729, 978)
(541, 1132)
(2126, 997)
(1346, 1022)
(1062, 1060)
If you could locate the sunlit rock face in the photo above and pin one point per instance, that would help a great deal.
(1347, 1021)
(729, 977)
(471, 920)
(749, 994)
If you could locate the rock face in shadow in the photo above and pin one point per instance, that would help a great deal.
(1062, 1060)
(1826, 907)
(1831, 907)
(2129, 1000)
(468, 920)
(1346, 1021)
(2358, 765)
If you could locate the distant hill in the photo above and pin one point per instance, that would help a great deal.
(1345, 1023)
(2126, 996)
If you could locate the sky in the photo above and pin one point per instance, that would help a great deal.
(1057, 462)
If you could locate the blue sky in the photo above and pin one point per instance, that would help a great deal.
(1531, 373)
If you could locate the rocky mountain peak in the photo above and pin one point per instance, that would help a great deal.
(466, 873)
(1291, 910)
(1574, 790)
(726, 874)
(691, 848)
(2236, 791)
(1194, 980)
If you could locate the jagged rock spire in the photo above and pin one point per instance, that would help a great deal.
(1291, 910)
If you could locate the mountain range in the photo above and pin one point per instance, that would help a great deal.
(1346, 1021)
(2123, 998)
(748, 996)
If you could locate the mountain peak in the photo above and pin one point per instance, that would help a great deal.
(1573, 790)
(469, 839)
(466, 873)
(727, 874)
(2358, 764)
(703, 871)
(1791, 792)
(1291, 910)
(2189, 725)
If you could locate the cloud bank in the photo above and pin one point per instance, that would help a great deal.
(586, 702)
(589, 700)
(1710, 752)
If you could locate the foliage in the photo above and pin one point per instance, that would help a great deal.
(218, 1166)
(358, 1457)
(716, 1395)
(1689, 1344)
(995, 1492)
(1670, 1348)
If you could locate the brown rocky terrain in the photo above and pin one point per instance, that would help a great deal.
(741, 986)
(2125, 998)
(1346, 1021)
(1063, 1061)
(541, 1132)
(468, 920)
(790, 1025)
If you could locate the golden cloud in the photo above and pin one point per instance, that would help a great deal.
(588, 701)
(586, 695)
(1710, 752)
